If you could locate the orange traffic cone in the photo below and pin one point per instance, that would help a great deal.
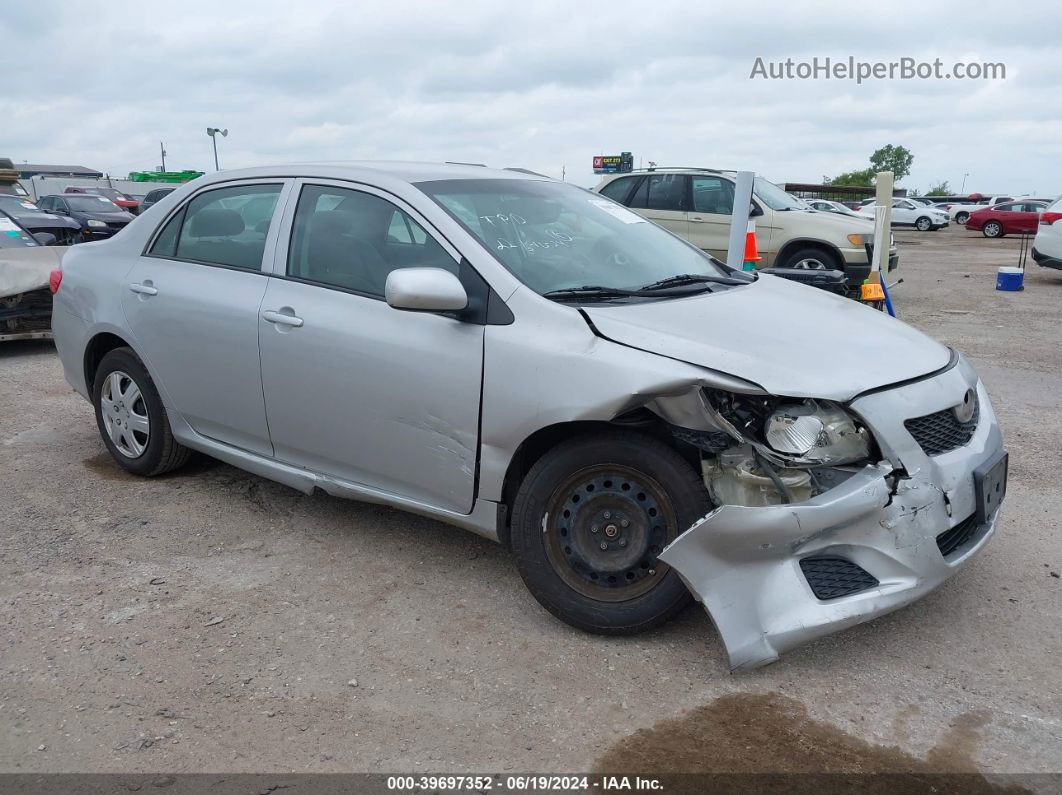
(751, 256)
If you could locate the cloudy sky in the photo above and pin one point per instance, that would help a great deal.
(543, 85)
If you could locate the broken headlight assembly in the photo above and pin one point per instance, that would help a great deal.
(816, 432)
(797, 432)
(780, 450)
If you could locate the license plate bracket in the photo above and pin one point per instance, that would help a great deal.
(990, 485)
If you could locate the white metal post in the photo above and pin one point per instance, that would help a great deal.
(739, 218)
(882, 223)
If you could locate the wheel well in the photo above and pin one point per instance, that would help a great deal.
(98, 347)
(796, 245)
(541, 441)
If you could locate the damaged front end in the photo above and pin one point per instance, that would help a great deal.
(829, 515)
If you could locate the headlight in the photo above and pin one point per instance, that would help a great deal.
(816, 431)
(95, 223)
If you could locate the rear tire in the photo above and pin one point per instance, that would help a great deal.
(962, 218)
(131, 418)
(622, 490)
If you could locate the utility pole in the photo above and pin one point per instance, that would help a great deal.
(163, 150)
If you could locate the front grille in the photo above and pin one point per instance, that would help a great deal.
(831, 578)
(940, 432)
(958, 538)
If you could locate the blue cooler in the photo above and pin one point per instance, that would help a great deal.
(1009, 279)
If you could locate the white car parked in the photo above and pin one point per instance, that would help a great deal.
(909, 213)
(1047, 247)
(826, 206)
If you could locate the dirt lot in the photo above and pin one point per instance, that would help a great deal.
(211, 620)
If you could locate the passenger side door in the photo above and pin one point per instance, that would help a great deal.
(354, 389)
(192, 302)
(712, 209)
(903, 212)
(664, 199)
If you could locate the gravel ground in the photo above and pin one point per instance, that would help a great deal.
(214, 621)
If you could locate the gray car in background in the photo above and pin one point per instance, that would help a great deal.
(153, 196)
(540, 365)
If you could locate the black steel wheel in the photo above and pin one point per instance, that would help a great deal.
(590, 521)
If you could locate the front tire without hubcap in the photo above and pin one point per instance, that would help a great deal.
(589, 521)
(131, 417)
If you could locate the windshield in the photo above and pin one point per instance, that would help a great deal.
(774, 197)
(14, 236)
(92, 204)
(553, 236)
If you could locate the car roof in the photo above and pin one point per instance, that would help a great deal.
(401, 171)
(671, 170)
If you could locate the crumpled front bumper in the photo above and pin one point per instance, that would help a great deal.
(743, 563)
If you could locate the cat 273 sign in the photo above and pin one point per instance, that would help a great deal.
(613, 164)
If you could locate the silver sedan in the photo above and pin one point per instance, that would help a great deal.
(537, 364)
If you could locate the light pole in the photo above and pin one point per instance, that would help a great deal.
(964, 176)
(212, 132)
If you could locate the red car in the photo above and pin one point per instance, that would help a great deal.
(127, 203)
(1018, 217)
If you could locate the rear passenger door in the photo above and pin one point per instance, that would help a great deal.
(664, 199)
(192, 302)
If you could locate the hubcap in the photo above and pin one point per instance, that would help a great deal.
(923, 225)
(992, 229)
(125, 416)
(604, 528)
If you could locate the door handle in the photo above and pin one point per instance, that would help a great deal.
(697, 219)
(282, 318)
(144, 288)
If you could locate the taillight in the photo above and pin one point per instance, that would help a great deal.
(55, 278)
(1050, 218)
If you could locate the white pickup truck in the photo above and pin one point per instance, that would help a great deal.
(959, 213)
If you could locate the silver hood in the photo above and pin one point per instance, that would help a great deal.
(790, 339)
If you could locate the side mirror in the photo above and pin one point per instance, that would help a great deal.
(425, 290)
(754, 210)
(44, 238)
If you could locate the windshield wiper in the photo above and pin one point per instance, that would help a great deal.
(693, 278)
(590, 291)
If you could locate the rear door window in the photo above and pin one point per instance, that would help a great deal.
(668, 192)
(228, 226)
